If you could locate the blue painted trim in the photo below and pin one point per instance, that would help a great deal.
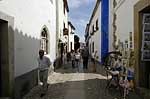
(104, 28)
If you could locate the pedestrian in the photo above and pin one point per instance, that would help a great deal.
(93, 58)
(118, 65)
(85, 56)
(64, 58)
(77, 59)
(73, 58)
(68, 57)
(43, 66)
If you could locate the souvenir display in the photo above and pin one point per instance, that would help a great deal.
(146, 38)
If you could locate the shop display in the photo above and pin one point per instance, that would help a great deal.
(146, 38)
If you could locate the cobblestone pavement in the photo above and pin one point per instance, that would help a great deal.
(68, 83)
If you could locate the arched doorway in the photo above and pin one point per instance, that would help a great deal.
(44, 40)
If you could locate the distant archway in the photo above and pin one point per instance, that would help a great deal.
(44, 40)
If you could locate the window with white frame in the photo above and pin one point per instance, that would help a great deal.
(97, 24)
(44, 41)
(93, 47)
(93, 28)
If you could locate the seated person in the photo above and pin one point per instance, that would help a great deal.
(117, 67)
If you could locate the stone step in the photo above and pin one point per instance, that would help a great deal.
(4, 98)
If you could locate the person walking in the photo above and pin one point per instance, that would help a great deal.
(85, 56)
(73, 58)
(68, 57)
(77, 59)
(43, 66)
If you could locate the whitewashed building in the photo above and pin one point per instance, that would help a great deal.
(121, 27)
(97, 30)
(112, 33)
(127, 27)
(123, 11)
(26, 26)
(71, 33)
(115, 27)
(62, 10)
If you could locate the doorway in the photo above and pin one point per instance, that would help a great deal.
(71, 46)
(0, 67)
(142, 39)
(4, 60)
(145, 36)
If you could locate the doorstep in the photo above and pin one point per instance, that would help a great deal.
(145, 93)
(4, 98)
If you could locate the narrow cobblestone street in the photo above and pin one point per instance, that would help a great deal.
(68, 83)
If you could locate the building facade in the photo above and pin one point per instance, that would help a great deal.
(87, 36)
(22, 35)
(141, 40)
(97, 31)
(127, 19)
(129, 32)
(71, 33)
(122, 28)
(62, 10)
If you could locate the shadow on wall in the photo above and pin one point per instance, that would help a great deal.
(25, 53)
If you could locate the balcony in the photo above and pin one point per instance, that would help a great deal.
(92, 33)
(65, 31)
(72, 33)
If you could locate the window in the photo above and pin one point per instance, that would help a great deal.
(93, 28)
(44, 41)
(66, 48)
(131, 45)
(64, 25)
(71, 46)
(64, 7)
(93, 47)
(97, 24)
(130, 36)
(90, 49)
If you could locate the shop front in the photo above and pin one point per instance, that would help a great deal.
(142, 43)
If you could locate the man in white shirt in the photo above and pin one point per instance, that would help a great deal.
(43, 66)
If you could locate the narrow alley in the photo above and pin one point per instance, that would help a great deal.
(42, 41)
(68, 83)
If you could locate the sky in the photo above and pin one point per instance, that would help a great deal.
(80, 12)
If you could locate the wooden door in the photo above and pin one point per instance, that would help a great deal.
(0, 64)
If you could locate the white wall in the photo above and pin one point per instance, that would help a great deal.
(71, 39)
(124, 22)
(29, 18)
(110, 25)
(96, 38)
(62, 18)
